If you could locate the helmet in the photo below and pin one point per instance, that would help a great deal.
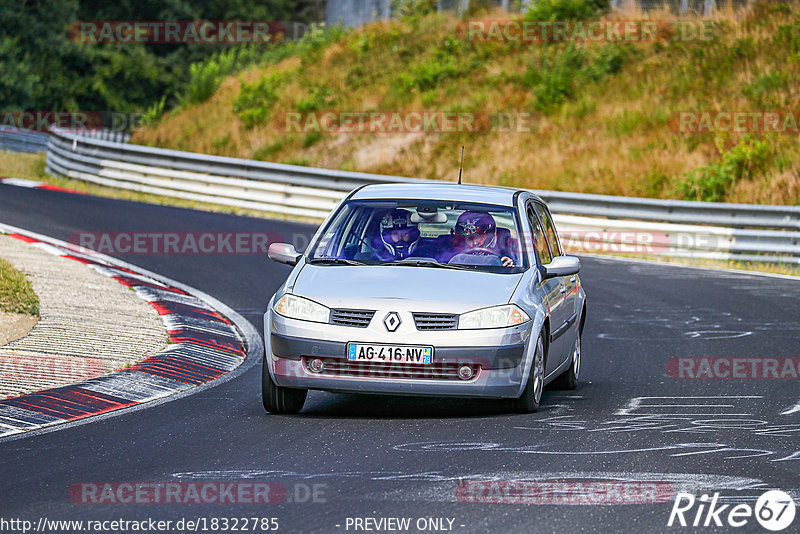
(472, 223)
(398, 233)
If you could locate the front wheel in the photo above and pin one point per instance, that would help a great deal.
(531, 396)
(277, 399)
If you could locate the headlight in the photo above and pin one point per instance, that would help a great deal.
(496, 317)
(296, 307)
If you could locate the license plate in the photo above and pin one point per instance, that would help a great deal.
(362, 352)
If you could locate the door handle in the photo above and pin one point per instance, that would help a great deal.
(572, 279)
(563, 289)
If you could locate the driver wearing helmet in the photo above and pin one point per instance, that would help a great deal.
(479, 232)
(399, 235)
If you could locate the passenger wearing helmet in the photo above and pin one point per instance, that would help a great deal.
(399, 235)
(479, 234)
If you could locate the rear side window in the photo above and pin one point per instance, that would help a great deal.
(549, 229)
(539, 240)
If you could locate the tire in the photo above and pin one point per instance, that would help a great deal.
(277, 399)
(569, 378)
(531, 396)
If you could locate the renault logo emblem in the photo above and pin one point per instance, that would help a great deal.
(391, 321)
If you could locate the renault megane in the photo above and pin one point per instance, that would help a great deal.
(419, 289)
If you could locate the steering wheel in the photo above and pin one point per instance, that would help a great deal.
(482, 250)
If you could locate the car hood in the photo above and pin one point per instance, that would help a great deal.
(420, 288)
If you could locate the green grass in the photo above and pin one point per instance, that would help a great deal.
(16, 292)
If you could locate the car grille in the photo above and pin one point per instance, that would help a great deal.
(347, 369)
(435, 321)
(355, 318)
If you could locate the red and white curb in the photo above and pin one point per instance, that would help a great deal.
(31, 184)
(208, 342)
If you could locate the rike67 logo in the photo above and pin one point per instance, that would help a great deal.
(774, 510)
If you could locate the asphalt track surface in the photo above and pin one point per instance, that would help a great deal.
(385, 456)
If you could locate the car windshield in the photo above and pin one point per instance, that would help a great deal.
(423, 233)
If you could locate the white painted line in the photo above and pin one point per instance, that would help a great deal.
(152, 294)
(173, 322)
(111, 272)
(135, 386)
(50, 249)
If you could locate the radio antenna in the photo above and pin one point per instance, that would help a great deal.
(461, 166)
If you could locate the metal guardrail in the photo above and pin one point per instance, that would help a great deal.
(115, 136)
(700, 229)
(19, 140)
(15, 140)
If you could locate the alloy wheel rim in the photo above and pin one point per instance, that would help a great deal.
(539, 372)
(576, 357)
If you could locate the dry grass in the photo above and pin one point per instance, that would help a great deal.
(611, 135)
(28, 166)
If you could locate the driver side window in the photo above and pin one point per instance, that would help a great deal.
(539, 240)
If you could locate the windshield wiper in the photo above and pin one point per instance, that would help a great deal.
(336, 261)
(421, 263)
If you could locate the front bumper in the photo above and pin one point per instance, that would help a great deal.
(498, 355)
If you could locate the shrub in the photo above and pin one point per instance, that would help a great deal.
(205, 77)
(429, 73)
(554, 74)
(255, 101)
(318, 98)
(204, 80)
(153, 114)
(554, 81)
(711, 182)
(413, 9)
(311, 138)
(761, 90)
(560, 10)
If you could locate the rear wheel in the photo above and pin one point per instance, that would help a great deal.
(531, 396)
(277, 399)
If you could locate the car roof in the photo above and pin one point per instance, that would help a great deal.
(484, 194)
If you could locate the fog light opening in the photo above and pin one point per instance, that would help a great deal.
(465, 372)
(316, 365)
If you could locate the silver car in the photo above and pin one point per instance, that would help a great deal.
(418, 289)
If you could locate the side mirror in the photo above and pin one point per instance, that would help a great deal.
(283, 253)
(562, 266)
